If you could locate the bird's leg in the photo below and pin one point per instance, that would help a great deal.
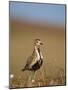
(30, 79)
(33, 77)
(29, 84)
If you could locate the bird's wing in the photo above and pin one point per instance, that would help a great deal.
(29, 60)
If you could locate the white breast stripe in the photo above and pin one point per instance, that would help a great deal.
(41, 55)
(37, 58)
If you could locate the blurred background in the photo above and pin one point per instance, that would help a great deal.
(28, 21)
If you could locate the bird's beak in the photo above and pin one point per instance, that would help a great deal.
(41, 43)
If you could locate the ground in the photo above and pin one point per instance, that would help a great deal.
(22, 35)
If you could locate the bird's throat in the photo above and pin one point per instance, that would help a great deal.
(38, 50)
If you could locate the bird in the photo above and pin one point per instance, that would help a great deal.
(35, 60)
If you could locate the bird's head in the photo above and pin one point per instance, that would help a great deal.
(38, 42)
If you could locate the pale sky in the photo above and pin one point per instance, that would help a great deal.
(52, 13)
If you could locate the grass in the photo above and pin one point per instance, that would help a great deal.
(20, 82)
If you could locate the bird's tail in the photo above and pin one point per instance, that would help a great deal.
(23, 69)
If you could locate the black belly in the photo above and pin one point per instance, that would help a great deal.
(37, 65)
